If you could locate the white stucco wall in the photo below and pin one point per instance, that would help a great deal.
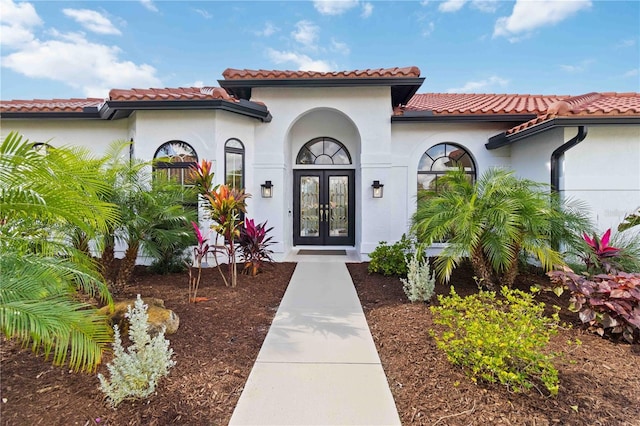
(357, 117)
(604, 171)
(531, 158)
(93, 134)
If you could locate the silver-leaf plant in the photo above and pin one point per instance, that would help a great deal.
(420, 282)
(135, 372)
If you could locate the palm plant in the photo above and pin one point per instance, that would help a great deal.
(152, 218)
(45, 199)
(493, 222)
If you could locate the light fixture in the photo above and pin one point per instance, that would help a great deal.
(377, 189)
(267, 189)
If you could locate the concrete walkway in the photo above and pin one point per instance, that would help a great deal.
(318, 364)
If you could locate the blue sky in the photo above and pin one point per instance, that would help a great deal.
(64, 49)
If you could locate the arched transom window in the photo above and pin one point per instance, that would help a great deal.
(324, 151)
(438, 160)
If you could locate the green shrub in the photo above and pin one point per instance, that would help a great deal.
(391, 259)
(498, 340)
(420, 282)
(135, 373)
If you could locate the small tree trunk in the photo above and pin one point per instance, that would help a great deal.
(107, 259)
(509, 276)
(126, 267)
(482, 268)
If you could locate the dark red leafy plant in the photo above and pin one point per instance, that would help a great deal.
(254, 245)
(601, 255)
(609, 304)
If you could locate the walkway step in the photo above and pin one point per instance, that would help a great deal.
(318, 364)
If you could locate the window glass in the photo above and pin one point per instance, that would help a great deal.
(323, 151)
(175, 160)
(438, 160)
(234, 164)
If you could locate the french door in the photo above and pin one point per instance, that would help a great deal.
(324, 207)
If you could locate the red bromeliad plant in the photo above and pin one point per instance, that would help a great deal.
(601, 254)
(225, 207)
(200, 252)
(254, 245)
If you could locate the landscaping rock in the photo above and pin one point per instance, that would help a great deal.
(159, 316)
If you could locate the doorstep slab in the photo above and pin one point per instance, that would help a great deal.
(316, 394)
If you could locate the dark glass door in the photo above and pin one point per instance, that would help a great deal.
(324, 207)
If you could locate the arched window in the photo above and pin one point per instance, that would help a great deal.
(173, 160)
(234, 163)
(438, 160)
(323, 151)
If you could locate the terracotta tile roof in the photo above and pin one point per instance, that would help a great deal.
(236, 74)
(169, 94)
(49, 105)
(588, 105)
(453, 103)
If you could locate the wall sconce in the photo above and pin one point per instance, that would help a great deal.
(266, 189)
(377, 189)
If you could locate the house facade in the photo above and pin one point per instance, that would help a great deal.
(344, 154)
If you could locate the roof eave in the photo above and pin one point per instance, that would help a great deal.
(115, 110)
(403, 87)
(429, 116)
(503, 139)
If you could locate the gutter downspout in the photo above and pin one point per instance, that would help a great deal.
(559, 152)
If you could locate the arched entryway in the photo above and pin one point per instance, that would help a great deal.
(324, 194)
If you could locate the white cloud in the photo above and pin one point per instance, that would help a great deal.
(490, 84)
(630, 42)
(578, 67)
(92, 21)
(70, 58)
(530, 15)
(149, 5)
(367, 9)
(334, 7)
(426, 31)
(303, 62)
(340, 47)
(631, 73)
(197, 83)
(268, 30)
(306, 33)
(487, 6)
(451, 5)
(17, 22)
(203, 13)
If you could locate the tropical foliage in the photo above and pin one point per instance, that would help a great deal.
(609, 304)
(254, 246)
(46, 199)
(152, 217)
(225, 207)
(494, 222)
(200, 252)
(630, 221)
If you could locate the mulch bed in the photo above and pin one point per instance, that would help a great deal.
(599, 380)
(215, 348)
(219, 339)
